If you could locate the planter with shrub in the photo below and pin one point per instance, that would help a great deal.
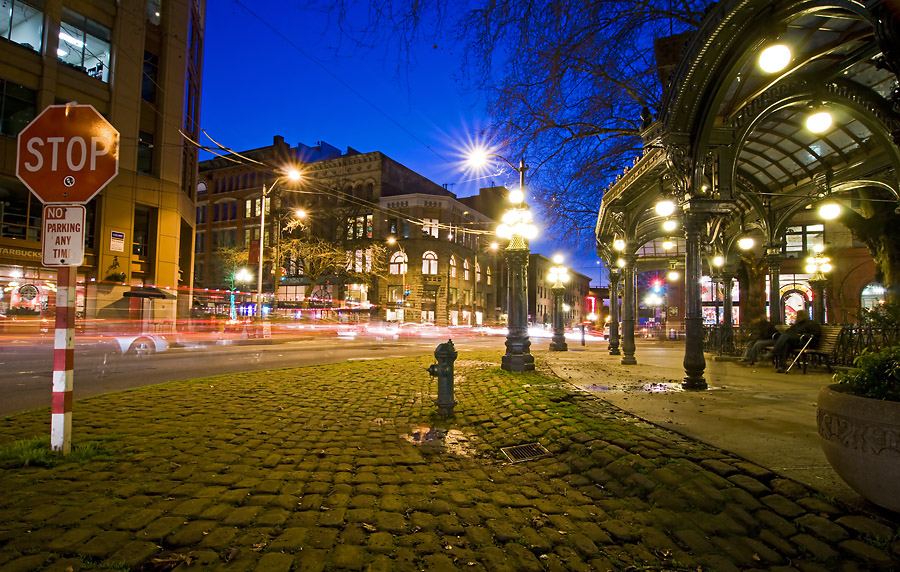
(859, 426)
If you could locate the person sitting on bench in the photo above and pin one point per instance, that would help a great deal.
(762, 340)
(790, 339)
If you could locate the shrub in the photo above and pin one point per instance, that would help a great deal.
(875, 375)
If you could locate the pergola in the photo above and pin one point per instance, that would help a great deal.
(731, 146)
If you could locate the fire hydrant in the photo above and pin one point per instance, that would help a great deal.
(445, 354)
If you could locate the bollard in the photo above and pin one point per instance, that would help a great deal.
(445, 354)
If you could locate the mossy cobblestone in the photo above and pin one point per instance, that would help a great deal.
(298, 469)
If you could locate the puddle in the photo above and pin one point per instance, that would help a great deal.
(663, 387)
(453, 440)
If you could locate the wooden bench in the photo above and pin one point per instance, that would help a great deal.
(820, 349)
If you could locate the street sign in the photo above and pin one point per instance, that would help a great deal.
(67, 154)
(62, 235)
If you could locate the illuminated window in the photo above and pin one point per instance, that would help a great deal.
(452, 266)
(429, 263)
(398, 263)
(22, 24)
(84, 44)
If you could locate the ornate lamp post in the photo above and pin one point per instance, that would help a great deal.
(293, 175)
(558, 275)
(818, 264)
(517, 228)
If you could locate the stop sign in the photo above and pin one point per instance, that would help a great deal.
(67, 154)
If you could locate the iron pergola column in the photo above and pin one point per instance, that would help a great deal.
(614, 276)
(628, 307)
(694, 361)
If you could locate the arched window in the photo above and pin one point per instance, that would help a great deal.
(466, 269)
(452, 266)
(477, 272)
(398, 263)
(488, 275)
(429, 263)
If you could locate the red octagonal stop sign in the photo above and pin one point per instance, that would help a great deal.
(67, 154)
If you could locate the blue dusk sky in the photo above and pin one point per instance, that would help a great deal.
(270, 68)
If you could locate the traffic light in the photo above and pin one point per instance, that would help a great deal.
(657, 285)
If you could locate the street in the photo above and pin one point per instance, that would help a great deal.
(27, 380)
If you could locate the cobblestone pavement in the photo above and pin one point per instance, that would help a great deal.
(347, 467)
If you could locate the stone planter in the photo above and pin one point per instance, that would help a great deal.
(861, 440)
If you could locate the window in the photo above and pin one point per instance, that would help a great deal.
(430, 227)
(359, 260)
(477, 272)
(145, 152)
(201, 213)
(84, 44)
(801, 239)
(429, 263)
(399, 227)
(454, 295)
(395, 294)
(398, 263)
(153, 12)
(452, 266)
(466, 270)
(200, 243)
(23, 24)
(17, 107)
(142, 228)
(488, 275)
(359, 227)
(150, 77)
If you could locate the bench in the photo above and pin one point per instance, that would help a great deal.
(820, 349)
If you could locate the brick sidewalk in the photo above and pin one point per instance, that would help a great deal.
(345, 467)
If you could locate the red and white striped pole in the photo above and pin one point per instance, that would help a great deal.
(63, 361)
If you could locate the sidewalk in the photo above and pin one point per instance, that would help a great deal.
(753, 412)
(345, 467)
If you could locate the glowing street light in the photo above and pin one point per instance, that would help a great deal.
(293, 175)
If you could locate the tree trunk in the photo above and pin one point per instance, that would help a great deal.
(752, 280)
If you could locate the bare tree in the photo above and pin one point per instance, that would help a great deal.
(229, 259)
(569, 83)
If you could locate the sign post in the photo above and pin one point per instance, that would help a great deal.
(65, 156)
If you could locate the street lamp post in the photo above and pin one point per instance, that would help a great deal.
(817, 265)
(558, 275)
(517, 228)
(293, 175)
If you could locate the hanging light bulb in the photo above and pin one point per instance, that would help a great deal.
(665, 207)
(746, 243)
(830, 210)
(669, 225)
(819, 122)
(774, 58)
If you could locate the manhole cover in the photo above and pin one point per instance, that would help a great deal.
(528, 452)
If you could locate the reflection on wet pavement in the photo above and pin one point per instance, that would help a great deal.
(453, 440)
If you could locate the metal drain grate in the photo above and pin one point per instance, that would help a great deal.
(521, 453)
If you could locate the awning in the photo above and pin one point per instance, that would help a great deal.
(148, 292)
